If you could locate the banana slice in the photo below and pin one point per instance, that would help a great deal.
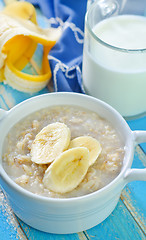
(50, 142)
(67, 171)
(91, 143)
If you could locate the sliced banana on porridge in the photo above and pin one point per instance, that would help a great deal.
(91, 143)
(50, 142)
(55, 161)
(67, 171)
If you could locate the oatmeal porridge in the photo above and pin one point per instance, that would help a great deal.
(26, 158)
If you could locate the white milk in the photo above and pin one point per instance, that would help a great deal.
(114, 76)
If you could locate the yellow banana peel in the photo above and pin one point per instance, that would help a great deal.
(19, 55)
(25, 82)
(23, 10)
(19, 37)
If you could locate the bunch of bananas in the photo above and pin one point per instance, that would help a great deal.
(19, 37)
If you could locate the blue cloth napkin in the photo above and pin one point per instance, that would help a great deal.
(66, 56)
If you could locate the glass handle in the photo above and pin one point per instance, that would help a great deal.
(108, 5)
(89, 2)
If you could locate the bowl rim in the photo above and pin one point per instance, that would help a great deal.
(107, 188)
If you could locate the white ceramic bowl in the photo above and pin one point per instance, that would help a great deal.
(75, 214)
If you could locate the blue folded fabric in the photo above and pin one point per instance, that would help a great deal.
(66, 56)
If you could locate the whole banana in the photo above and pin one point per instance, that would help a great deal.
(19, 37)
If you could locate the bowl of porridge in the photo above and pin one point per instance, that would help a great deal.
(65, 158)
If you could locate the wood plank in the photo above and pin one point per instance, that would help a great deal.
(120, 225)
(140, 155)
(9, 97)
(34, 234)
(1, 4)
(138, 216)
(133, 195)
(9, 226)
(6, 99)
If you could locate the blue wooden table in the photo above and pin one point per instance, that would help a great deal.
(128, 220)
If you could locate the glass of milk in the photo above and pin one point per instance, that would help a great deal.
(114, 55)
